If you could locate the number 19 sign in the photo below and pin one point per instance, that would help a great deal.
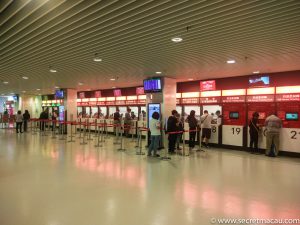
(232, 135)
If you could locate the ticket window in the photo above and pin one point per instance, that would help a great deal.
(141, 116)
(212, 109)
(87, 112)
(179, 109)
(188, 109)
(215, 131)
(123, 110)
(135, 110)
(102, 111)
(79, 112)
(94, 112)
(112, 110)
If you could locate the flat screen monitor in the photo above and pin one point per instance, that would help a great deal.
(59, 94)
(259, 81)
(291, 116)
(153, 107)
(234, 115)
(153, 85)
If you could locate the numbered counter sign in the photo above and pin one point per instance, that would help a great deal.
(232, 135)
(290, 140)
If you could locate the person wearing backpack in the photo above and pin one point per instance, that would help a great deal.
(253, 131)
(193, 122)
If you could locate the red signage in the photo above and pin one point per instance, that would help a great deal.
(209, 85)
(230, 99)
(140, 91)
(120, 102)
(81, 95)
(287, 97)
(117, 92)
(131, 102)
(92, 103)
(190, 101)
(260, 98)
(209, 100)
(110, 103)
(100, 103)
(97, 94)
(83, 104)
(142, 101)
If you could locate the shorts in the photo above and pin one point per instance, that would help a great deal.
(206, 133)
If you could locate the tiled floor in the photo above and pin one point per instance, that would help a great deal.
(46, 181)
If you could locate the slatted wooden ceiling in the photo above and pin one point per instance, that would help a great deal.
(133, 38)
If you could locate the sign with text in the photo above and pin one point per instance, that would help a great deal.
(97, 94)
(287, 97)
(210, 100)
(230, 99)
(260, 98)
(189, 100)
(117, 92)
(140, 91)
(209, 85)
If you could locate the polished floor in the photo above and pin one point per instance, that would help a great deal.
(46, 181)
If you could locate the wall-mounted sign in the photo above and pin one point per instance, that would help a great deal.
(140, 91)
(287, 97)
(230, 99)
(209, 85)
(210, 100)
(260, 98)
(190, 101)
(117, 92)
(81, 95)
(97, 94)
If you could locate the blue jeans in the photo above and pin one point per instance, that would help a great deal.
(154, 144)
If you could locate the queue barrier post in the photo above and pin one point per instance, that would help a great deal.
(106, 130)
(121, 140)
(138, 137)
(140, 145)
(117, 128)
(61, 126)
(96, 128)
(166, 156)
(184, 153)
(200, 149)
(84, 134)
(99, 135)
(89, 131)
(71, 136)
(53, 129)
(80, 129)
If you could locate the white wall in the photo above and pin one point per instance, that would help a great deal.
(32, 103)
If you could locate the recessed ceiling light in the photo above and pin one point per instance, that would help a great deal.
(80, 83)
(96, 58)
(191, 79)
(255, 72)
(5, 82)
(231, 61)
(53, 70)
(56, 87)
(24, 91)
(177, 39)
(25, 78)
(38, 89)
(112, 79)
(89, 89)
(12, 93)
(158, 72)
(113, 87)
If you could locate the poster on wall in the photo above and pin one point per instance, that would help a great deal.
(140, 91)
(209, 85)
(81, 95)
(117, 93)
(97, 94)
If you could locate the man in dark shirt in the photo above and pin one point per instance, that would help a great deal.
(117, 122)
(172, 126)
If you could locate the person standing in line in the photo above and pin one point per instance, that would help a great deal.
(273, 125)
(154, 127)
(26, 118)
(19, 121)
(117, 121)
(206, 127)
(180, 128)
(219, 118)
(54, 118)
(127, 122)
(253, 131)
(172, 126)
(193, 122)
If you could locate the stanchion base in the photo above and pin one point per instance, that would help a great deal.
(98, 145)
(71, 141)
(140, 153)
(121, 150)
(90, 139)
(165, 158)
(53, 137)
(84, 143)
(200, 150)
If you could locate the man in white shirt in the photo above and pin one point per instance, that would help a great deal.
(206, 127)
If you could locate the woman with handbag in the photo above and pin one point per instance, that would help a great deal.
(254, 130)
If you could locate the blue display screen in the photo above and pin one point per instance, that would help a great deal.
(59, 94)
(152, 85)
(291, 116)
(153, 107)
(260, 81)
(234, 115)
